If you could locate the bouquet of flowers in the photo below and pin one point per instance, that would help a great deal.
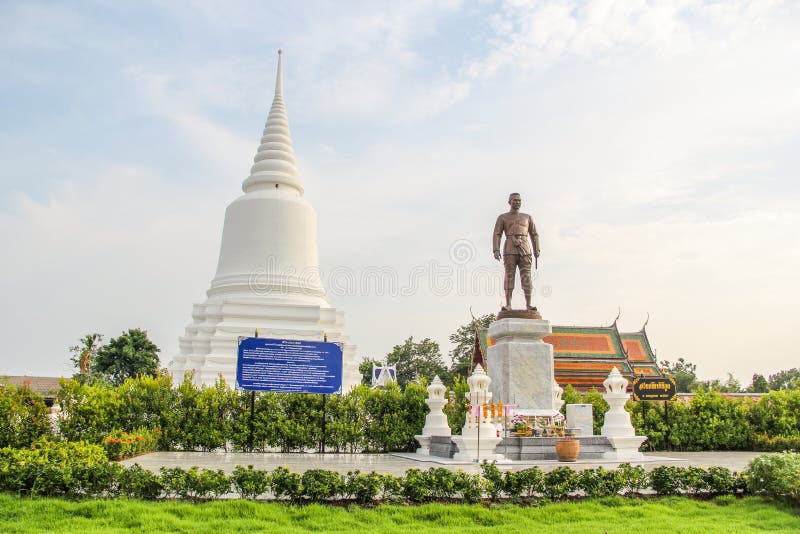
(518, 423)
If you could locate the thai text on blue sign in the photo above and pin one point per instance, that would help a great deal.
(289, 366)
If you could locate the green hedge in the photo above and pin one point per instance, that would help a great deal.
(80, 470)
(215, 417)
(771, 476)
(710, 421)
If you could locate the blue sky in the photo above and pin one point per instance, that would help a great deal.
(656, 144)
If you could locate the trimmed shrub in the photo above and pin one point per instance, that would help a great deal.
(719, 481)
(99, 480)
(250, 483)
(138, 483)
(526, 484)
(560, 482)
(776, 476)
(494, 481)
(364, 488)
(319, 485)
(666, 479)
(194, 483)
(601, 482)
(415, 486)
(391, 486)
(635, 479)
(284, 483)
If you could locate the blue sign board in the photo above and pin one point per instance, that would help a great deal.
(289, 366)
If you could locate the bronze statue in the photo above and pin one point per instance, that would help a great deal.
(517, 252)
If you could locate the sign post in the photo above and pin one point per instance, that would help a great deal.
(656, 389)
(289, 366)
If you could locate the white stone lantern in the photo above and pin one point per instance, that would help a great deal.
(436, 421)
(478, 438)
(617, 427)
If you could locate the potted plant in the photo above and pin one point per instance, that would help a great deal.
(519, 426)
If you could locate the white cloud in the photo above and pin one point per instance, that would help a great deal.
(99, 254)
(643, 136)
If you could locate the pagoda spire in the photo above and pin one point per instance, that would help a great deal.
(279, 77)
(274, 165)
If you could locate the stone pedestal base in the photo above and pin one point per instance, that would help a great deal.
(209, 348)
(625, 448)
(521, 364)
(580, 416)
(472, 447)
(425, 445)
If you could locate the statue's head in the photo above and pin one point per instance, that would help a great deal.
(515, 201)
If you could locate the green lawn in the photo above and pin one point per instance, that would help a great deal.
(612, 515)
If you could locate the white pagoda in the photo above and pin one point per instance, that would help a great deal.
(268, 278)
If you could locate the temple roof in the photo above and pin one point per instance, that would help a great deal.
(584, 355)
(641, 355)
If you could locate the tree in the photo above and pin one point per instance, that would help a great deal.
(787, 379)
(685, 374)
(464, 340)
(83, 355)
(759, 384)
(417, 360)
(129, 355)
(731, 385)
(365, 370)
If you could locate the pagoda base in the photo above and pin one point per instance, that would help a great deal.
(209, 348)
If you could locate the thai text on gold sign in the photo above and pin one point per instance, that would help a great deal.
(654, 388)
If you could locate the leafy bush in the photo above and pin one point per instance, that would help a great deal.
(635, 479)
(524, 484)
(666, 479)
(364, 488)
(495, 483)
(415, 486)
(391, 486)
(60, 453)
(719, 481)
(469, 487)
(23, 417)
(765, 442)
(284, 483)
(194, 483)
(250, 483)
(601, 482)
(98, 480)
(138, 483)
(560, 482)
(776, 475)
(121, 445)
(320, 485)
(773, 475)
(441, 483)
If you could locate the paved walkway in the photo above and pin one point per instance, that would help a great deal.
(397, 464)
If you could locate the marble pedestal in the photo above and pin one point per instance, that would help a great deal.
(579, 416)
(521, 364)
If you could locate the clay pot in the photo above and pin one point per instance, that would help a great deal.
(568, 449)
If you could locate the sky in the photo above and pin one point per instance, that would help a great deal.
(655, 143)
